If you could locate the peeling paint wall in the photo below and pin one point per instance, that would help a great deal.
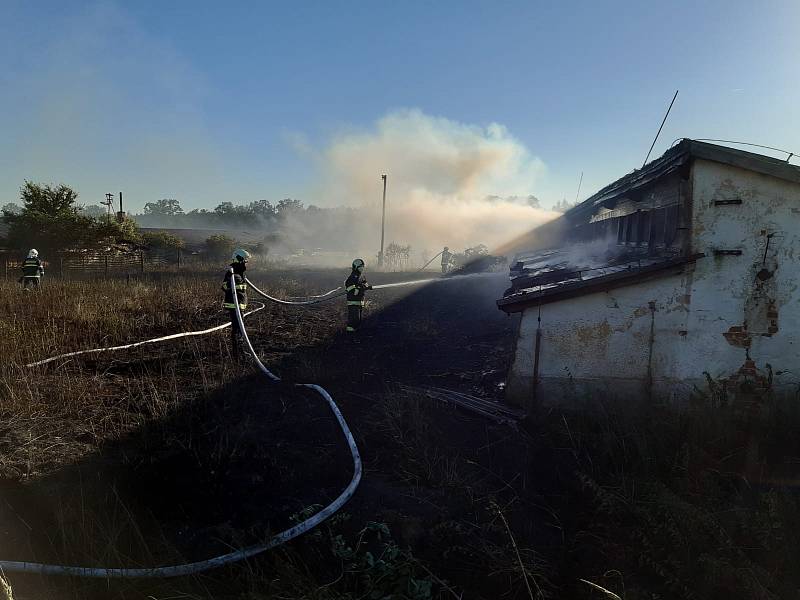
(728, 327)
(749, 301)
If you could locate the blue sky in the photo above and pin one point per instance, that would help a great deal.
(211, 101)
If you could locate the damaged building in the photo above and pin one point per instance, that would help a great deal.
(677, 280)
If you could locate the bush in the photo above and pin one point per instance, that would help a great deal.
(162, 240)
(220, 246)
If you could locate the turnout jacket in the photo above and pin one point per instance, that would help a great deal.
(32, 267)
(240, 290)
(355, 285)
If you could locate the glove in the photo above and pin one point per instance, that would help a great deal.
(369, 287)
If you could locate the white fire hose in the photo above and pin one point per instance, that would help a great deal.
(231, 557)
(238, 555)
(327, 296)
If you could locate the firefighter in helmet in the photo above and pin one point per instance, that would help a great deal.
(355, 286)
(237, 295)
(32, 270)
(447, 258)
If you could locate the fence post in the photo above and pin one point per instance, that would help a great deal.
(179, 257)
(106, 257)
(61, 266)
(141, 261)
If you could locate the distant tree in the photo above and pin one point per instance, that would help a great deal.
(289, 206)
(262, 208)
(562, 206)
(168, 207)
(11, 208)
(48, 200)
(224, 209)
(94, 211)
(162, 239)
(220, 247)
(116, 232)
(48, 219)
(533, 201)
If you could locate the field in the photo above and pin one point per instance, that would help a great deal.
(177, 451)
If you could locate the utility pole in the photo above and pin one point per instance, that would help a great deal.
(383, 222)
(108, 204)
(121, 213)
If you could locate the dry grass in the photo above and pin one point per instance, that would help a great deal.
(640, 506)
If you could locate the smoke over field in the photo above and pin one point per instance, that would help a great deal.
(449, 183)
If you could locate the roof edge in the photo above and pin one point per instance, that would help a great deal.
(520, 302)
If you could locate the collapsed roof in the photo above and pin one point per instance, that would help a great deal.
(581, 264)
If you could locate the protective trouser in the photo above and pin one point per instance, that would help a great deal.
(30, 282)
(236, 332)
(354, 317)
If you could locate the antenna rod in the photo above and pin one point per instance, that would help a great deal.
(660, 128)
(578, 193)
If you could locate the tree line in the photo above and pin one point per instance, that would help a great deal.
(168, 212)
(50, 218)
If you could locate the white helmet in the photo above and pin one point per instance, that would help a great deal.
(33, 253)
(240, 255)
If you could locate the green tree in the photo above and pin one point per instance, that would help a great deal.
(168, 207)
(49, 219)
(162, 239)
(47, 200)
(289, 206)
(110, 232)
(95, 211)
(262, 208)
(11, 208)
(224, 209)
(220, 246)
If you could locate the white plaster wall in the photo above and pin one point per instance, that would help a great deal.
(601, 341)
(724, 285)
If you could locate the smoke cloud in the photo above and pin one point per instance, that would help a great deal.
(448, 183)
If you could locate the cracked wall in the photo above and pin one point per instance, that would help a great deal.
(731, 319)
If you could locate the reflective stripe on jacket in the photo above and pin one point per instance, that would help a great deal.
(32, 267)
(355, 286)
(240, 292)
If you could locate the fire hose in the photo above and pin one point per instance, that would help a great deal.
(325, 297)
(231, 557)
(302, 300)
(244, 553)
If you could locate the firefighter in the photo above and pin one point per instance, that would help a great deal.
(239, 294)
(32, 270)
(355, 285)
(447, 258)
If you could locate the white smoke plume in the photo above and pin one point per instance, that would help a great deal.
(448, 183)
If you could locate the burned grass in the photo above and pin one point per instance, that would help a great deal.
(175, 452)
